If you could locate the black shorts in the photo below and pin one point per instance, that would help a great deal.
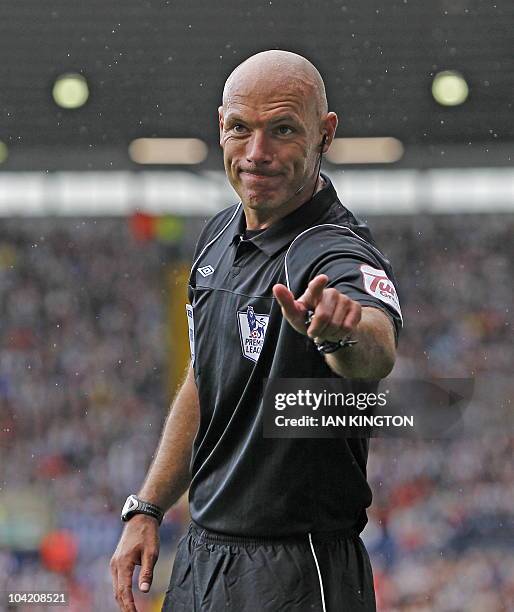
(328, 572)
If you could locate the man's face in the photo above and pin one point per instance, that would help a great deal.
(271, 140)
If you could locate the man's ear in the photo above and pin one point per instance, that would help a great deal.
(220, 121)
(329, 128)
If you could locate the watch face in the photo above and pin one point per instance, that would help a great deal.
(130, 505)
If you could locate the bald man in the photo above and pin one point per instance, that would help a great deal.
(286, 284)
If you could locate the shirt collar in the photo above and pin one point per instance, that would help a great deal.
(281, 233)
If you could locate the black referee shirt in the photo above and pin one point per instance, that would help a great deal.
(243, 483)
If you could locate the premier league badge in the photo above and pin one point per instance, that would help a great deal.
(252, 329)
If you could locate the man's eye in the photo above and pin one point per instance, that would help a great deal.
(284, 130)
(239, 128)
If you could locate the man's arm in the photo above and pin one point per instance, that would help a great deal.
(374, 354)
(168, 476)
(167, 479)
(337, 316)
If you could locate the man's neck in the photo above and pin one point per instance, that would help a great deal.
(255, 219)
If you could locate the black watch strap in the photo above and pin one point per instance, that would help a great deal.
(134, 505)
(327, 347)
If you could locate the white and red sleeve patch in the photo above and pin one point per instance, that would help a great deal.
(377, 284)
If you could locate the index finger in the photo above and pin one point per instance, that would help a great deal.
(314, 291)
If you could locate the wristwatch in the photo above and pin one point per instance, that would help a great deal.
(133, 505)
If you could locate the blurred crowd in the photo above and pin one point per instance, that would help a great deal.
(441, 528)
(84, 392)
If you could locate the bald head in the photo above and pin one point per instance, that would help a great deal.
(274, 127)
(278, 70)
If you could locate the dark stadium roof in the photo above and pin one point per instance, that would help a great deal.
(157, 69)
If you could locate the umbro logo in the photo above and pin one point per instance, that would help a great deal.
(206, 271)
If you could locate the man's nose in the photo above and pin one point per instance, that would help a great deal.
(259, 148)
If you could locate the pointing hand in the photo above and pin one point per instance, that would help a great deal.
(335, 314)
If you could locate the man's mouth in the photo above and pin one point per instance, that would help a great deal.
(259, 175)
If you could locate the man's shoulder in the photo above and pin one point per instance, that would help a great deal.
(337, 232)
(222, 218)
(339, 214)
(217, 224)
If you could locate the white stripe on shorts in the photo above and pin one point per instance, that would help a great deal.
(319, 574)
